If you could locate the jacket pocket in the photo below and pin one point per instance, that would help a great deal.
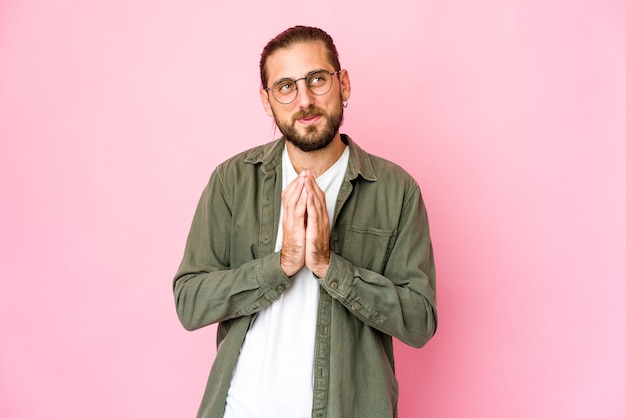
(368, 247)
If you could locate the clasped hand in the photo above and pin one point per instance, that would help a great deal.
(305, 227)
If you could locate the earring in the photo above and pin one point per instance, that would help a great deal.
(345, 104)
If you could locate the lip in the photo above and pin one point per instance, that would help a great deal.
(309, 120)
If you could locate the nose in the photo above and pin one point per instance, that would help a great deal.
(305, 98)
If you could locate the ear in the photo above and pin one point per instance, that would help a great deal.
(344, 80)
(264, 95)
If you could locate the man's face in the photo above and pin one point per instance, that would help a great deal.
(310, 122)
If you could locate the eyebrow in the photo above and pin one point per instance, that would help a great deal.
(301, 78)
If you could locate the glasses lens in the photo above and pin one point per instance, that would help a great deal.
(319, 82)
(284, 91)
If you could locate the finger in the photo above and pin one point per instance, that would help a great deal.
(292, 197)
(317, 200)
(293, 190)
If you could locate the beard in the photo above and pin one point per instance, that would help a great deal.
(314, 137)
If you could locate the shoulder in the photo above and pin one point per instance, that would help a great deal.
(267, 155)
(379, 171)
(388, 170)
(260, 154)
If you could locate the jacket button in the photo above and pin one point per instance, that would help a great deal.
(333, 285)
(280, 288)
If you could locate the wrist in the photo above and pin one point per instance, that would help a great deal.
(288, 268)
(320, 270)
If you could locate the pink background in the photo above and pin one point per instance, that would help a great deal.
(511, 115)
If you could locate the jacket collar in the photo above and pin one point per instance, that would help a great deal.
(359, 163)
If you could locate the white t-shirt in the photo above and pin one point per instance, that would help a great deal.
(274, 373)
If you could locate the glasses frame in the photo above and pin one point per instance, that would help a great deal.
(295, 83)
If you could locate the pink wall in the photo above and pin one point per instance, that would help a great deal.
(511, 114)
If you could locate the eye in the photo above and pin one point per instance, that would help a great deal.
(283, 86)
(318, 79)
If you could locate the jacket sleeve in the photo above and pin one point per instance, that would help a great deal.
(400, 299)
(207, 288)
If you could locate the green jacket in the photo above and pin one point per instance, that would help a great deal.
(380, 282)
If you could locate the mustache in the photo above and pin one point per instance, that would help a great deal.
(311, 111)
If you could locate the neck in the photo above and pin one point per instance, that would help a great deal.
(317, 161)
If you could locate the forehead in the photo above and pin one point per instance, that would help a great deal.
(297, 61)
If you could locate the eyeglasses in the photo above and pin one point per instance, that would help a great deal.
(319, 82)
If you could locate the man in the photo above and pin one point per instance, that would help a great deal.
(310, 254)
